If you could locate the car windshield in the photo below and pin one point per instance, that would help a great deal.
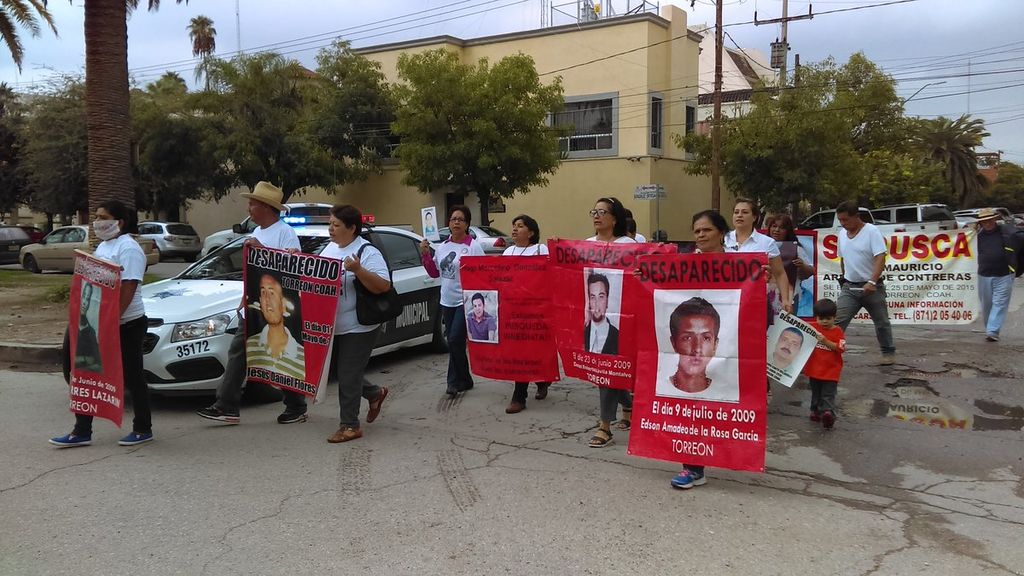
(181, 230)
(226, 263)
(493, 232)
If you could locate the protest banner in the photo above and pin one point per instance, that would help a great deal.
(428, 219)
(592, 288)
(94, 333)
(700, 395)
(508, 310)
(790, 343)
(929, 276)
(291, 300)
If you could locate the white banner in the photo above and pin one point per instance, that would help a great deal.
(929, 276)
(791, 342)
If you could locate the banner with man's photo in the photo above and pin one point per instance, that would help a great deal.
(594, 295)
(94, 334)
(508, 314)
(791, 342)
(700, 395)
(929, 276)
(291, 299)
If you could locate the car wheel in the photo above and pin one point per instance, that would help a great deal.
(439, 344)
(262, 393)
(190, 257)
(30, 264)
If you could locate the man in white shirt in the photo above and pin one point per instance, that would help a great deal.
(600, 336)
(862, 260)
(265, 207)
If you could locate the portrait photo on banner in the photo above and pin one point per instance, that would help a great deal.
(481, 315)
(274, 326)
(602, 305)
(697, 332)
(87, 347)
(790, 344)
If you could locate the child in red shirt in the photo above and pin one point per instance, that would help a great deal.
(826, 363)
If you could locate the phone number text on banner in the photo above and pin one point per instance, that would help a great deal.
(508, 310)
(291, 301)
(700, 394)
(593, 288)
(929, 276)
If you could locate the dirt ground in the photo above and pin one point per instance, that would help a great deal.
(26, 313)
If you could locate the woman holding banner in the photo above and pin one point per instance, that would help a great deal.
(609, 217)
(113, 225)
(445, 264)
(709, 232)
(525, 242)
(353, 342)
(794, 259)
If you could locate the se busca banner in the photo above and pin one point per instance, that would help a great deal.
(94, 332)
(291, 299)
(594, 295)
(700, 395)
(508, 309)
(929, 276)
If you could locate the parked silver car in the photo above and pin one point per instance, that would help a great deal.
(172, 239)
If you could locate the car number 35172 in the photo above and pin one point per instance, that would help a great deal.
(193, 348)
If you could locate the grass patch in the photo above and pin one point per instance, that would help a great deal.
(53, 288)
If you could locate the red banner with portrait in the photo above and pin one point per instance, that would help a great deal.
(508, 312)
(595, 296)
(291, 300)
(94, 334)
(700, 395)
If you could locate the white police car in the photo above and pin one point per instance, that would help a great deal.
(192, 316)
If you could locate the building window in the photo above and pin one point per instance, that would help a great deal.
(657, 121)
(691, 119)
(590, 125)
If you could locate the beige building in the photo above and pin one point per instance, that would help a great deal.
(625, 108)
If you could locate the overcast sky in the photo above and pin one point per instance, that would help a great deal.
(936, 40)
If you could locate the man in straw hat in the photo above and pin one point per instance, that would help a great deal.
(998, 244)
(265, 209)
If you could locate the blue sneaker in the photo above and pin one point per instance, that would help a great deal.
(136, 438)
(70, 441)
(688, 479)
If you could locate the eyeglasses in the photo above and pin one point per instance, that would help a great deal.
(456, 219)
(598, 212)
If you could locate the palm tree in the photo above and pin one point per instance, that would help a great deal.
(106, 99)
(204, 43)
(951, 144)
(19, 12)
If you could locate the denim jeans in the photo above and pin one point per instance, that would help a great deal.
(454, 319)
(353, 352)
(995, 292)
(132, 335)
(852, 298)
(823, 395)
(229, 393)
(610, 398)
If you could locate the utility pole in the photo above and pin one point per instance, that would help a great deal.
(716, 120)
(780, 48)
(238, 27)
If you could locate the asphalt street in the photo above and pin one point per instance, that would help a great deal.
(459, 487)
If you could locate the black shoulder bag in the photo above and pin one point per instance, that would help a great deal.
(375, 308)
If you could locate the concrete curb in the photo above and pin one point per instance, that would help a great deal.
(19, 353)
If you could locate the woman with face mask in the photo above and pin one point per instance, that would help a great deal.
(113, 225)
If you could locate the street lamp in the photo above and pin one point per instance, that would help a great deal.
(922, 88)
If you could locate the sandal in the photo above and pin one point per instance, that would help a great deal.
(375, 405)
(601, 438)
(344, 434)
(626, 421)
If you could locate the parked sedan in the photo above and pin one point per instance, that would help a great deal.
(492, 240)
(56, 251)
(192, 316)
(12, 238)
(173, 239)
(34, 234)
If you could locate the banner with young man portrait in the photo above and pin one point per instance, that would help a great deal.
(700, 396)
(508, 313)
(594, 298)
(94, 335)
(291, 300)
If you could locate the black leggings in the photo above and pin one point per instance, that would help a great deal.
(132, 335)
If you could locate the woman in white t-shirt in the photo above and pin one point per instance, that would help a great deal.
(609, 217)
(745, 239)
(113, 225)
(445, 264)
(353, 342)
(525, 242)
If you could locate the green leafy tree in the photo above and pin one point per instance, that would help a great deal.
(26, 13)
(475, 128)
(13, 187)
(951, 144)
(1008, 189)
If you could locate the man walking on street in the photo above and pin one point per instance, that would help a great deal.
(998, 246)
(862, 261)
(265, 210)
